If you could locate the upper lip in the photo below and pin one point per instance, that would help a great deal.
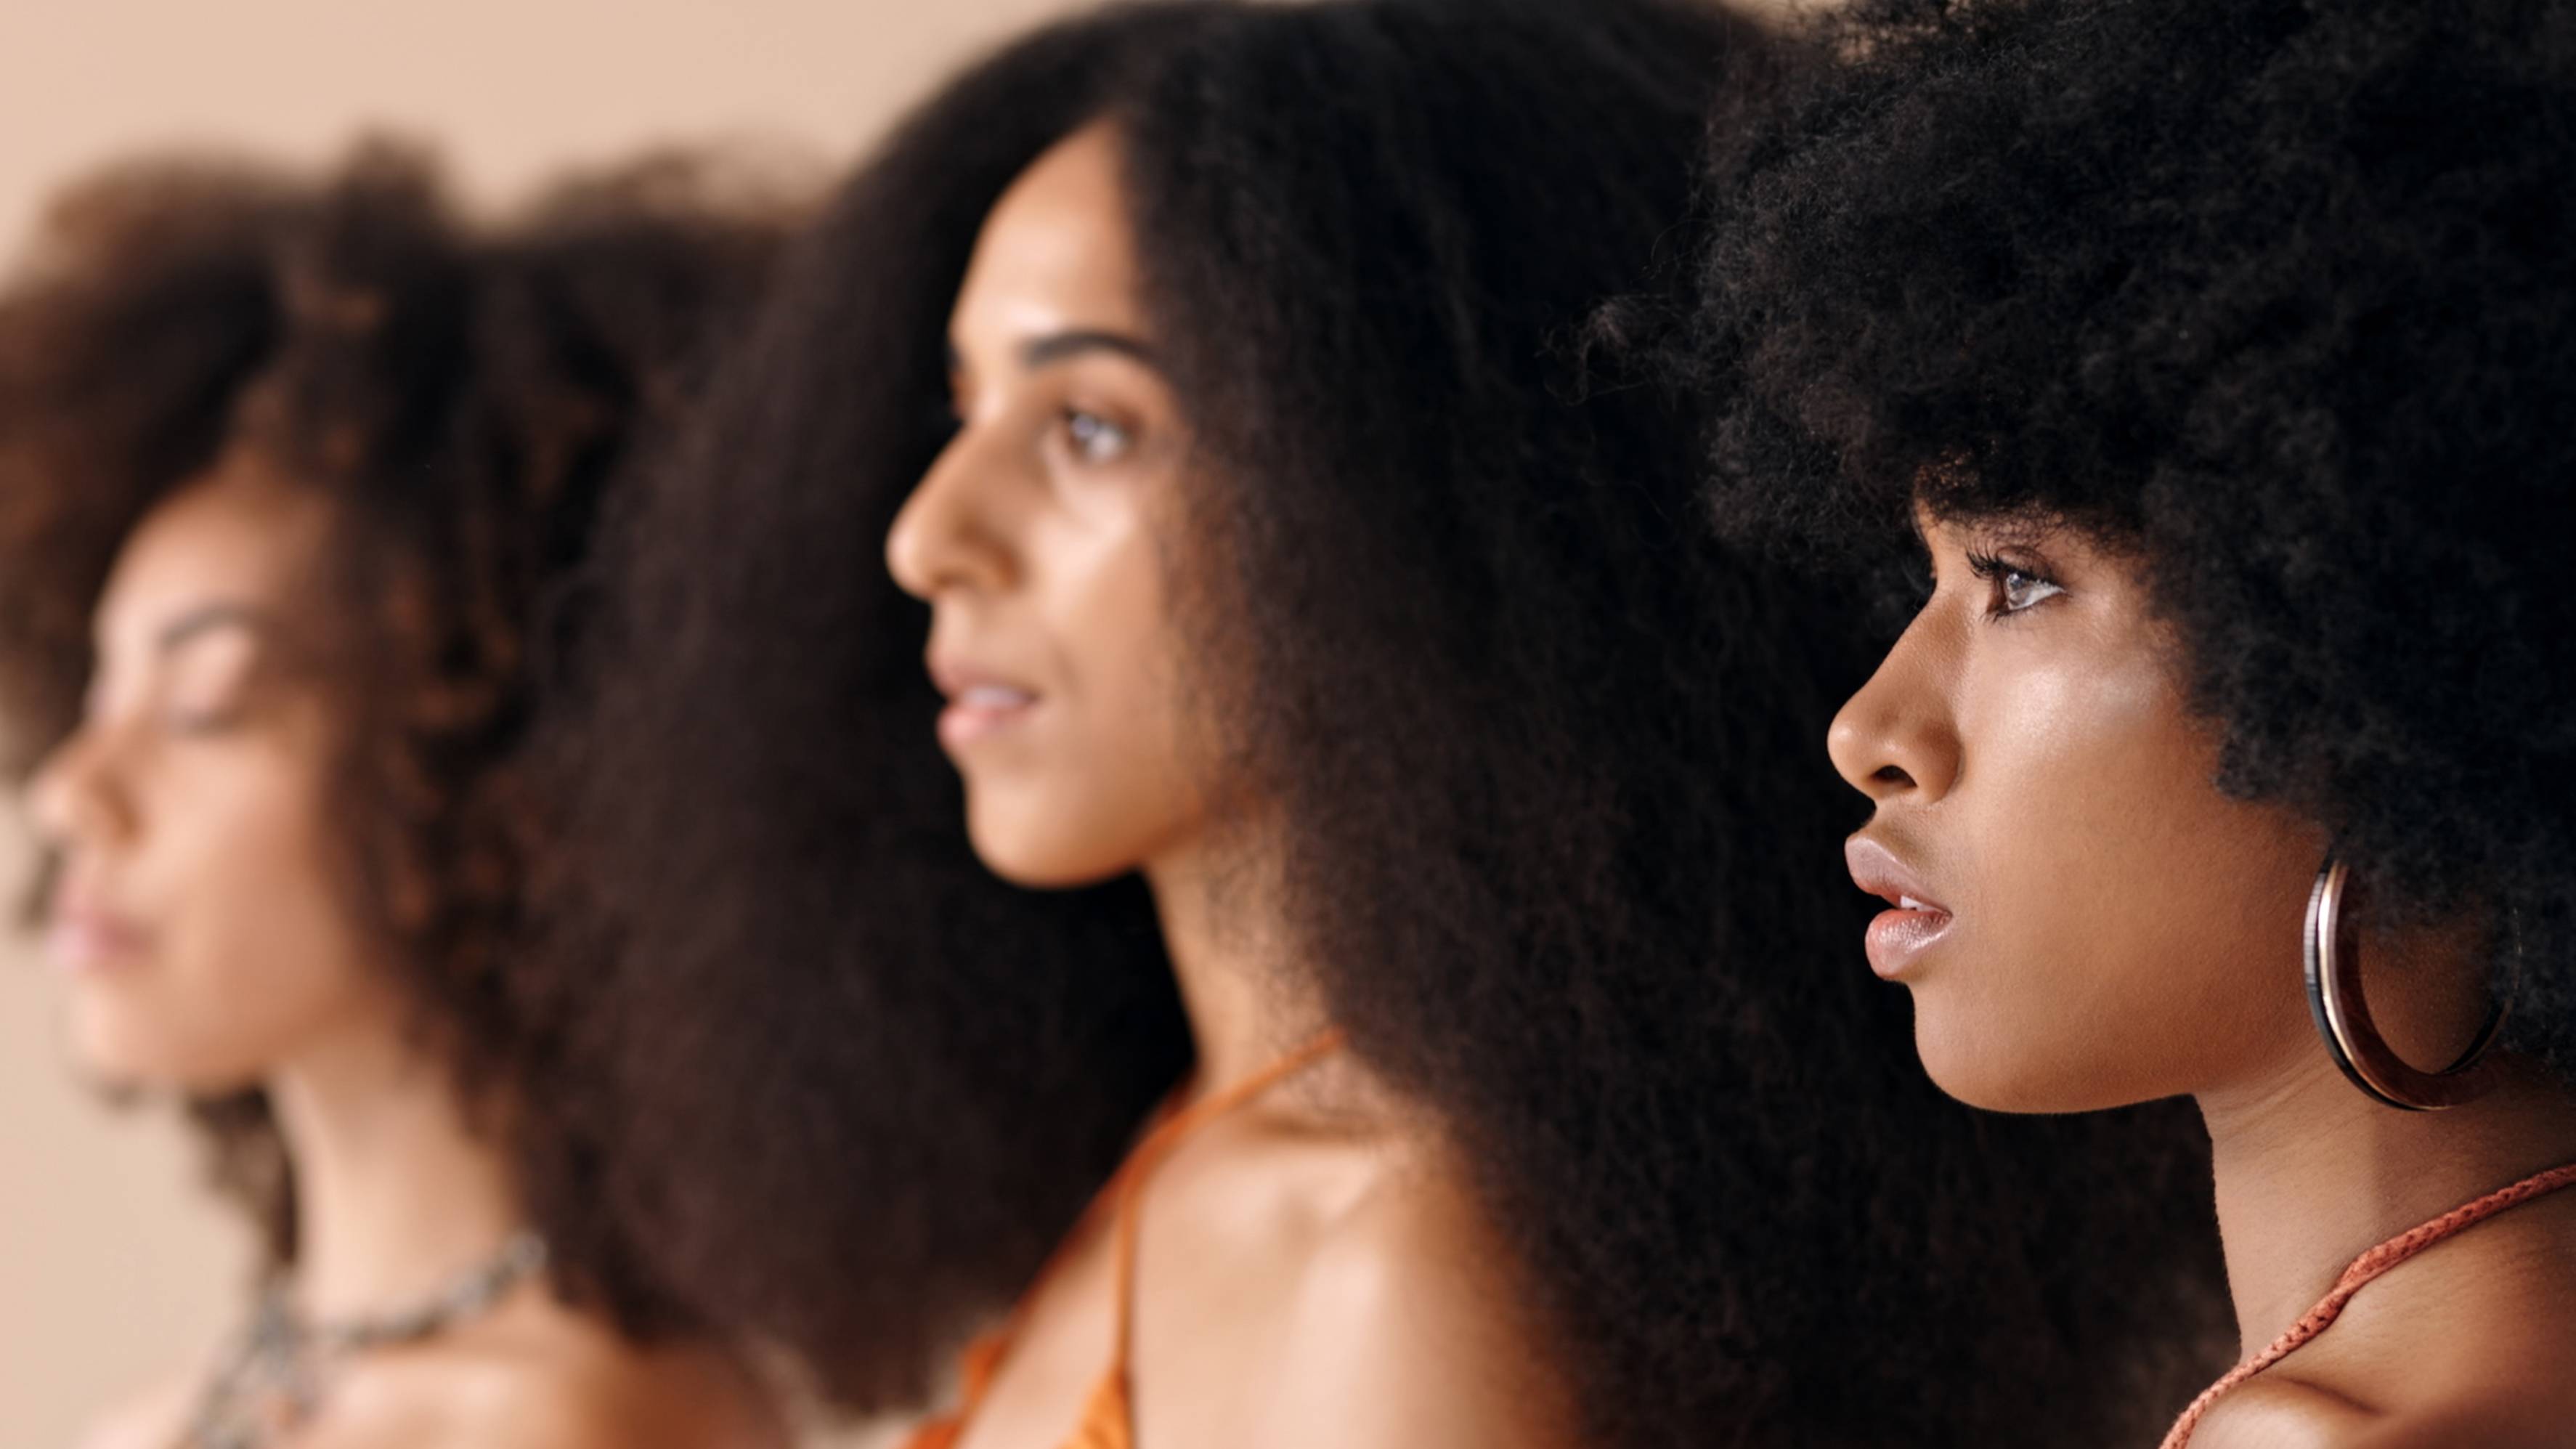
(81, 909)
(953, 676)
(1878, 870)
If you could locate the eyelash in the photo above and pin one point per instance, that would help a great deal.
(204, 723)
(183, 723)
(2004, 576)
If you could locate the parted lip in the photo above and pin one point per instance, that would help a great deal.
(80, 923)
(983, 703)
(956, 677)
(1877, 869)
(83, 902)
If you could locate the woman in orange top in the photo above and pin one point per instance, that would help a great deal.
(2225, 376)
(1297, 602)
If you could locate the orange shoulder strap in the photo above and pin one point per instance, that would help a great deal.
(2365, 1268)
(1158, 1144)
(1122, 1194)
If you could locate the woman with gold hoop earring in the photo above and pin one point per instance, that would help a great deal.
(2340, 1008)
(2219, 356)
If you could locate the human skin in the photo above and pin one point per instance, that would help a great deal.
(2100, 925)
(1311, 1267)
(206, 941)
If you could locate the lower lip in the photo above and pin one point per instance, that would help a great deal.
(1898, 939)
(963, 724)
(79, 949)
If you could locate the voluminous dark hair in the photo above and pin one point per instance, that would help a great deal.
(464, 398)
(2273, 296)
(1561, 847)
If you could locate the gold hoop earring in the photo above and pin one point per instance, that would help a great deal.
(2352, 1038)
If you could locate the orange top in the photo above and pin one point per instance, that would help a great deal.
(2365, 1268)
(1108, 1417)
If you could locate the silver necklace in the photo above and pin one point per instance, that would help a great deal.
(273, 1379)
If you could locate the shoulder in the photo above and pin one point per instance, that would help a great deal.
(2475, 1343)
(2532, 1425)
(2291, 1413)
(1412, 1245)
(153, 1419)
(558, 1385)
(2279, 1411)
(531, 1410)
(1409, 1327)
(2299, 1416)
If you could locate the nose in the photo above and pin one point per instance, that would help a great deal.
(950, 532)
(75, 797)
(1897, 738)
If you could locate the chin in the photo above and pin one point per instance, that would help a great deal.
(1039, 846)
(1028, 870)
(1037, 860)
(1996, 1071)
(1966, 1074)
(117, 1066)
(115, 1052)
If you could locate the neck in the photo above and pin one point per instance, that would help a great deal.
(2311, 1174)
(395, 1196)
(1226, 932)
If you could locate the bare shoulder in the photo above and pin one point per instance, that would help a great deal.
(2488, 1425)
(556, 1380)
(2484, 1355)
(1410, 1328)
(2288, 1415)
(2280, 1411)
(2473, 1342)
(668, 1398)
(152, 1419)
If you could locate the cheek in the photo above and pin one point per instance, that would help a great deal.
(1111, 776)
(2135, 931)
(1135, 702)
(255, 953)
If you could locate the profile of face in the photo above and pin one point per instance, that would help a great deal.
(197, 924)
(2083, 918)
(1039, 537)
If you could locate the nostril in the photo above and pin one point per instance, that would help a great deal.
(1892, 775)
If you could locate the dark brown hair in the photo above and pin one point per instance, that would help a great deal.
(464, 397)
(2272, 296)
(1562, 845)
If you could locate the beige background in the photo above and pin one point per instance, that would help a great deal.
(111, 1268)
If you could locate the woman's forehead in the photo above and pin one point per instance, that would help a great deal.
(1057, 252)
(226, 551)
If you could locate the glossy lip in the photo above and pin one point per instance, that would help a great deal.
(1897, 938)
(84, 936)
(981, 703)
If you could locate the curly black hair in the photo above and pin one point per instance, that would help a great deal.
(2272, 295)
(1559, 852)
(465, 397)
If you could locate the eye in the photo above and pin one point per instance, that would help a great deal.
(1095, 439)
(203, 723)
(2017, 589)
(210, 687)
(200, 711)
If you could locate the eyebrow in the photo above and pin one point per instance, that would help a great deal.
(1057, 347)
(2027, 527)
